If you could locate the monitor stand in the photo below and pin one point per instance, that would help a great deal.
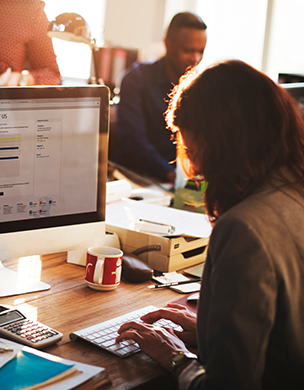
(13, 283)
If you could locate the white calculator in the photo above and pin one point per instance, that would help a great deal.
(15, 326)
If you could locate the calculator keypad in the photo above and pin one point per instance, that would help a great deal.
(30, 330)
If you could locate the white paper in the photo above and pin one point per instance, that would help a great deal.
(151, 196)
(170, 277)
(7, 356)
(117, 189)
(187, 288)
(122, 189)
(124, 213)
(14, 283)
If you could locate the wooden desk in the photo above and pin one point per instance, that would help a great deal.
(70, 305)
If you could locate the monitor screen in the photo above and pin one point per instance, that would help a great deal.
(296, 90)
(284, 78)
(53, 168)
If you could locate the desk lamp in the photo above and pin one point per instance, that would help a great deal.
(74, 28)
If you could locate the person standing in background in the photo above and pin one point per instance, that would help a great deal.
(142, 141)
(26, 51)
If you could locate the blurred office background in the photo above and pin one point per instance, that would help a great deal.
(267, 34)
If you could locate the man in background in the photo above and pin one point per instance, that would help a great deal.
(142, 141)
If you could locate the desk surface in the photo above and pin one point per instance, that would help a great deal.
(70, 305)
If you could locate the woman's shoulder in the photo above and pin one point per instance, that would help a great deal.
(266, 208)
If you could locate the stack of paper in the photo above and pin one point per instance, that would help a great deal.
(125, 213)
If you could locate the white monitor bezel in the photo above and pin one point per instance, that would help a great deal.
(64, 233)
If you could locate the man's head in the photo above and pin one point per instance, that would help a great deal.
(185, 43)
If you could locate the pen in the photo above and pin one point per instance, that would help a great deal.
(175, 283)
(5, 349)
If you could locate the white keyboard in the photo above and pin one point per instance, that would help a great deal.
(104, 334)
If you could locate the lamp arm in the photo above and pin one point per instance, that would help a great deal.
(95, 63)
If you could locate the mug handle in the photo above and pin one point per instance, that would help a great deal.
(98, 273)
(89, 265)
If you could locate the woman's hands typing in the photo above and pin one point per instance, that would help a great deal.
(161, 343)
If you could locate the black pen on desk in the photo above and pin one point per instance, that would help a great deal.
(171, 284)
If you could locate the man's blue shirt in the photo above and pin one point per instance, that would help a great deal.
(142, 141)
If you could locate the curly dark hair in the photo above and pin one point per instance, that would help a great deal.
(244, 126)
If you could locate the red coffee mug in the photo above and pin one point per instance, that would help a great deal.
(103, 267)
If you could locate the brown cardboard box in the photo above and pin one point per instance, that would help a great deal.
(165, 253)
(162, 253)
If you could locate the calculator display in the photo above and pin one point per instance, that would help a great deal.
(9, 317)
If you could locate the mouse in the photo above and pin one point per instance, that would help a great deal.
(136, 197)
(193, 298)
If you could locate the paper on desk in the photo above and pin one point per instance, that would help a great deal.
(187, 288)
(125, 212)
(7, 356)
(84, 373)
(121, 189)
(169, 277)
(117, 189)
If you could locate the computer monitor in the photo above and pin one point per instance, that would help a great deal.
(296, 90)
(284, 78)
(53, 169)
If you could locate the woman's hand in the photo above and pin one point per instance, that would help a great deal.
(179, 315)
(13, 79)
(161, 343)
(157, 342)
(16, 77)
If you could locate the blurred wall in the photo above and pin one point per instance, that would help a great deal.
(136, 24)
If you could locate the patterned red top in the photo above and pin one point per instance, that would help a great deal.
(24, 43)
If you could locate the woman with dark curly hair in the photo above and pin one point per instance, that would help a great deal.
(241, 133)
